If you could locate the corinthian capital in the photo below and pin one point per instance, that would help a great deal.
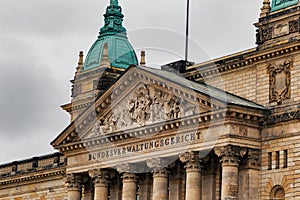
(191, 160)
(100, 176)
(74, 181)
(158, 166)
(230, 155)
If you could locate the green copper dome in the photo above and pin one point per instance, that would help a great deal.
(120, 52)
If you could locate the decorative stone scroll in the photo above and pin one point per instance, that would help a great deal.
(144, 106)
(280, 81)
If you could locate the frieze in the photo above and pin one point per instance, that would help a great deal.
(283, 117)
(142, 147)
(147, 105)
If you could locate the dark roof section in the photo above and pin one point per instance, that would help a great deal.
(203, 88)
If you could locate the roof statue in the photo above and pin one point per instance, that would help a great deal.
(280, 4)
(120, 52)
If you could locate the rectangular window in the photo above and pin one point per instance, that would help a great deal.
(277, 159)
(269, 160)
(285, 158)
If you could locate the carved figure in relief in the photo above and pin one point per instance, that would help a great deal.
(139, 106)
(157, 107)
(146, 104)
(175, 108)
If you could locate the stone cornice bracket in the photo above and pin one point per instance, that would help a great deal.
(254, 159)
(74, 181)
(158, 166)
(265, 9)
(230, 155)
(101, 177)
(192, 161)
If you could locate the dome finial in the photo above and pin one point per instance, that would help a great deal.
(113, 20)
(143, 58)
(80, 63)
(114, 2)
(265, 8)
(105, 60)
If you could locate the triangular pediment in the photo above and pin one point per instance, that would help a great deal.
(143, 97)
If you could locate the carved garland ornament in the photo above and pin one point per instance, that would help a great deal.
(280, 81)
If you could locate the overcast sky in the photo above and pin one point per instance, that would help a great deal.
(40, 41)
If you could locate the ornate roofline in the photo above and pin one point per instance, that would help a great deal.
(237, 61)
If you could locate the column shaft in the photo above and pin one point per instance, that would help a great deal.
(129, 186)
(74, 195)
(193, 185)
(230, 174)
(101, 192)
(160, 185)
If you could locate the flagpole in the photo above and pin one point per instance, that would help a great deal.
(187, 30)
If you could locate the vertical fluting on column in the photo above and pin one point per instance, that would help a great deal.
(129, 181)
(193, 175)
(230, 159)
(74, 186)
(160, 178)
(101, 183)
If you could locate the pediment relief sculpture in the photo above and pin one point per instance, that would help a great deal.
(146, 105)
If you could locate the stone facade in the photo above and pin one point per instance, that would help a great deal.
(152, 134)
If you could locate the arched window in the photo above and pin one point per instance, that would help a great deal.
(277, 193)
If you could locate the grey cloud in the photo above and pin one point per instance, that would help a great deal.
(40, 40)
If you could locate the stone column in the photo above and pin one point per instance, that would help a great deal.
(160, 178)
(74, 186)
(129, 181)
(101, 182)
(193, 175)
(230, 159)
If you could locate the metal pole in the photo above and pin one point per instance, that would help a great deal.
(187, 30)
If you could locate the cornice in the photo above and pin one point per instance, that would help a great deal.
(33, 176)
(200, 120)
(237, 61)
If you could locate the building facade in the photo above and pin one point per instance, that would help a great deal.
(224, 129)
